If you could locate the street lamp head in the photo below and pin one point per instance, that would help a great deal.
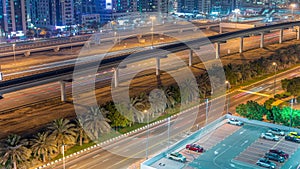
(293, 5)
(226, 82)
(274, 64)
(152, 18)
(14, 45)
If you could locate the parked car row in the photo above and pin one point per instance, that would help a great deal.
(274, 155)
(179, 157)
(293, 136)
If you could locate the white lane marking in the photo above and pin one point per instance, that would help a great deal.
(105, 160)
(242, 131)
(96, 156)
(126, 150)
(116, 147)
(73, 166)
(245, 142)
(217, 151)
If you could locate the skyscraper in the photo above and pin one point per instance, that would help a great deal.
(13, 16)
(190, 6)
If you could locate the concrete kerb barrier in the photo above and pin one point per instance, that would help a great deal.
(193, 137)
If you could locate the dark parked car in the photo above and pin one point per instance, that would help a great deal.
(195, 147)
(280, 153)
(263, 162)
(274, 157)
(293, 139)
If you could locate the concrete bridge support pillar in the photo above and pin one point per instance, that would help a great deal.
(217, 50)
(280, 36)
(262, 40)
(157, 66)
(56, 49)
(63, 91)
(298, 32)
(27, 53)
(241, 44)
(221, 29)
(116, 77)
(190, 57)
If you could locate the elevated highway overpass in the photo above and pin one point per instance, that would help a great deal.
(65, 74)
(67, 42)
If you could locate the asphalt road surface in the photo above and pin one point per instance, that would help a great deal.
(134, 147)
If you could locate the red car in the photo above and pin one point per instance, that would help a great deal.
(195, 147)
(280, 153)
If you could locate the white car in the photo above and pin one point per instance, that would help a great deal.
(176, 156)
(234, 122)
(269, 136)
(276, 131)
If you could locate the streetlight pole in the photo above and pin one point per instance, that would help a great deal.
(206, 111)
(293, 6)
(14, 50)
(1, 76)
(152, 30)
(275, 69)
(147, 142)
(63, 153)
(228, 97)
(169, 122)
(291, 115)
(71, 44)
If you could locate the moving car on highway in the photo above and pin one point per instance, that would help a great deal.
(176, 156)
(269, 136)
(274, 157)
(280, 153)
(263, 162)
(195, 147)
(276, 131)
(234, 122)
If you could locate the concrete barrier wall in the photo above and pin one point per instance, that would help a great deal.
(181, 144)
(237, 25)
(265, 124)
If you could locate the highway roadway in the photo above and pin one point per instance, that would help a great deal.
(104, 36)
(39, 95)
(121, 163)
(20, 69)
(13, 69)
(134, 146)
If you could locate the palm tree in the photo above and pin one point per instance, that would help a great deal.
(63, 132)
(81, 134)
(96, 122)
(125, 110)
(189, 90)
(13, 151)
(42, 145)
(170, 95)
(137, 106)
(203, 85)
(158, 101)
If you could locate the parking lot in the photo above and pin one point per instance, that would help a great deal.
(230, 146)
(258, 149)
